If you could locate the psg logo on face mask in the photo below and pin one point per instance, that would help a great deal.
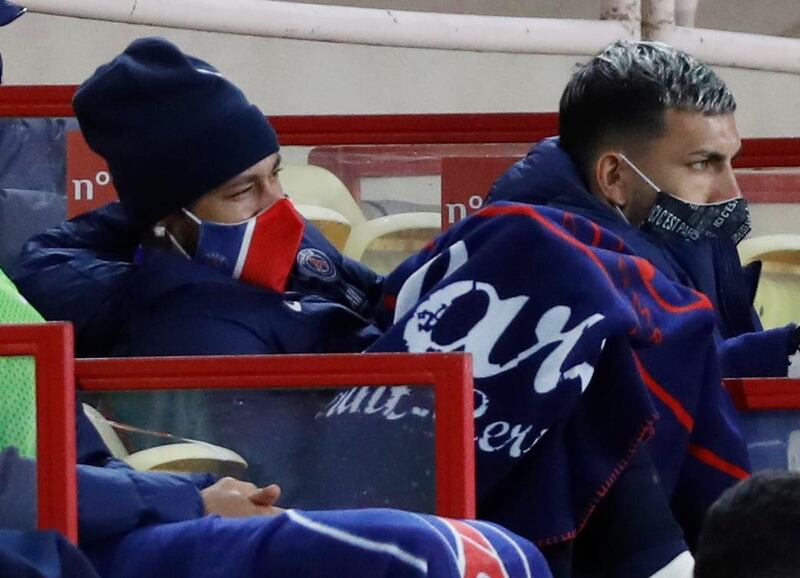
(315, 263)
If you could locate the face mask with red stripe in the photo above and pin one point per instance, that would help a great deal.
(259, 250)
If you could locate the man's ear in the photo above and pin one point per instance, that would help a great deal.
(609, 180)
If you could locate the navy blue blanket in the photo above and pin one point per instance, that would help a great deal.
(581, 352)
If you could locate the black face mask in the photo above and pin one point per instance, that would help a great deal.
(675, 218)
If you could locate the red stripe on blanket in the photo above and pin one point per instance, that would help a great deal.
(530, 212)
(647, 271)
(683, 416)
(598, 234)
(711, 459)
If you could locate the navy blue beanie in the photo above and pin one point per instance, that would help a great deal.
(170, 127)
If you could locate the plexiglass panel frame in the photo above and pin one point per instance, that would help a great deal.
(449, 375)
(51, 347)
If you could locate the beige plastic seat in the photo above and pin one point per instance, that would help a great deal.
(778, 296)
(189, 456)
(333, 225)
(383, 243)
(312, 185)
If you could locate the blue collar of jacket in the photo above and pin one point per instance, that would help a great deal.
(548, 176)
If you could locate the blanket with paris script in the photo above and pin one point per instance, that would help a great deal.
(370, 543)
(581, 352)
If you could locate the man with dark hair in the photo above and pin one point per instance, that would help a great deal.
(624, 97)
(603, 432)
(753, 530)
(646, 144)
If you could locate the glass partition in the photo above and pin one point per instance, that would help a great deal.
(773, 439)
(282, 436)
(769, 420)
(266, 419)
(32, 179)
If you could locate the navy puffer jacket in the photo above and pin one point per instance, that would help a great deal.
(83, 271)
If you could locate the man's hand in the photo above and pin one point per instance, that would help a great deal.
(233, 498)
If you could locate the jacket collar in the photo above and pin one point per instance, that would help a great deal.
(548, 176)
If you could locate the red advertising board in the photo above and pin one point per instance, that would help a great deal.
(88, 181)
(465, 182)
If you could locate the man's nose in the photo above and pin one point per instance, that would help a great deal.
(727, 187)
(270, 191)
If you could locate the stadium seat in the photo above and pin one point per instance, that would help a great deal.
(333, 225)
(189, 456)
(311, 185)
(384, 243)
(778, 297)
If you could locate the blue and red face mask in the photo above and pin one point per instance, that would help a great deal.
(260, 250)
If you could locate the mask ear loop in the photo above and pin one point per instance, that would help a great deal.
(192, 216)
(161, 231)
(621, 214)
(645, 178)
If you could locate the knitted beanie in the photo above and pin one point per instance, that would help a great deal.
(170, 127)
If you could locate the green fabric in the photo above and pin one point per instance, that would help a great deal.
(17, 377)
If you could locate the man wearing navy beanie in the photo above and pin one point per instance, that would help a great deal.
(170, 126)
(203, 232)
(203, 255)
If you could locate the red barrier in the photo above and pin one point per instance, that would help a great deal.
(50, 345)
(449, 374)
(759, 394)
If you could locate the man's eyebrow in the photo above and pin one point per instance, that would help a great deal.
(277, 163)
(713, 155)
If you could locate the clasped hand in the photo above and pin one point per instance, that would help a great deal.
(233, 498)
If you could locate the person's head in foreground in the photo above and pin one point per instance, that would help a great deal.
(753, 530)
(652, 132)
(194, 163)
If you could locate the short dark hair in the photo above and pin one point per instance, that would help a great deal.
(753, 530)
(625, 90)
